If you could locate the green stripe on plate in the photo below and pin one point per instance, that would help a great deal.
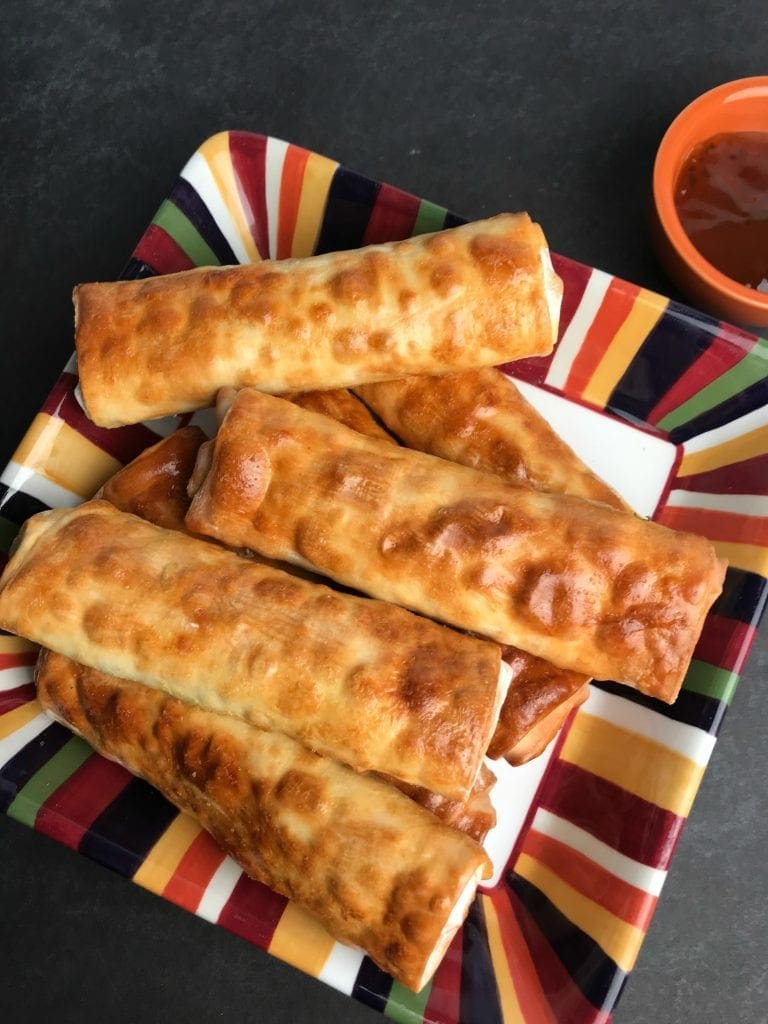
(711, 681)
(47, 780)
(8, 531)
(747, 371)
(407, 1007)
(430, 217)
(170, 218)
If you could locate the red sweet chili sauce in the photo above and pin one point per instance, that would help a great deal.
(721, 197)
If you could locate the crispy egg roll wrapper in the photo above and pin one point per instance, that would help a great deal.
(377, 870)
(479, 418)
(368, 683)
(579, 584)
(541, 734)
(537, 688)
(342, 406)
(474, 295)
(154, 487)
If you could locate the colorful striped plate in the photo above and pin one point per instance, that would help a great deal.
(670, 405)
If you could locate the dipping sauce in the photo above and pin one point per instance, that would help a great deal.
(721, 196)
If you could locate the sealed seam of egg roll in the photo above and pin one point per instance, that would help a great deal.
(153, 486)
(479, 418)
(377, 870)
(475, 295)
(581, 585)
(368, 683)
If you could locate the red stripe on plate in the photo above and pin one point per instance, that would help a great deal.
(291, 183)
(530, 996)
(725, 642)
(161, 252)
(393, 216)
(69, 812)
(716, 525)
(633, 905)
(444, 1003)
(747, 477)
(248, 153)
(729, 347)
(17, 660)
(194, 872)
(629, 824)
(252, 912)
(566, 999)
(12, 699)
(122, 443)
(614, 309)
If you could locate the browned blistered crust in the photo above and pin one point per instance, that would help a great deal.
(368, 683)
(342, 406)
(376, 870)
(541, 734)
(475, 295)
(582, 585)
(154, 485)
(536, 689)
(474, 816)
(479, 418)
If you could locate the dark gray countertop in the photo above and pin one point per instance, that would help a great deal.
(554, 108)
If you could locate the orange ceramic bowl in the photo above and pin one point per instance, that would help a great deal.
(740, 106)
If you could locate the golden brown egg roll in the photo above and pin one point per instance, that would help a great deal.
(474, 816)
(377, 870)
(342, 406)
(537, 688)
(368, 683)
(585, 587)
(479, 418)
(544, 729)
(153, 487)
(474, 295)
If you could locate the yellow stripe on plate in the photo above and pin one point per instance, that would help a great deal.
(621, 941)
(641, 766)
(216, 154)
(643, 317)
(164, 857)
(510, 1007)
(301, 940)
(19, 717)
(314, 192)
(17, 645)
(747, 446)
(56, 451)
(744, 556)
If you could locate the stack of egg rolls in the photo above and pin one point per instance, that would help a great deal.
(333, 742)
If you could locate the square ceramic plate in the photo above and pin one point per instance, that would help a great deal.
(669, 405)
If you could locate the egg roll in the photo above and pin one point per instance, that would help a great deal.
(365, 682)
(375, 869)
(342, 406)
(479, 418)
(536, 689)
(153, 486)
(581, 585)
(544, 729)
(474, 295)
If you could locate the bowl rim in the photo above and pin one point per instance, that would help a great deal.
(663, 196)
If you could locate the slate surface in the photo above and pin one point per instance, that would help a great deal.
(484, 106)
